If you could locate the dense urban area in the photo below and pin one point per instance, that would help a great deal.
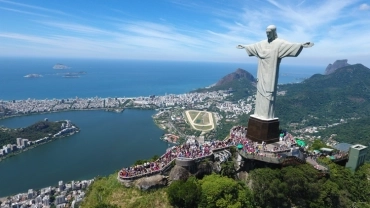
(62, 195)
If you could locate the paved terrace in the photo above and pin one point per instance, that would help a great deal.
(276, 152)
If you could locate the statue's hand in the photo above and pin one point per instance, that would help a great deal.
(240, 47)
(307, 44)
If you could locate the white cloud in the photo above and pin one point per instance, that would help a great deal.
(336, 27)
(23, 12)
(364, 7)
(73, 27)
(33, 7)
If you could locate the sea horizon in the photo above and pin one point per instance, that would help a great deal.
(121, 78)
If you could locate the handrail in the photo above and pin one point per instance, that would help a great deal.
(276, 160)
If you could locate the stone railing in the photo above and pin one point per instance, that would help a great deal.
(267, 158)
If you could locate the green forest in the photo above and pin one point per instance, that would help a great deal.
(324, 99)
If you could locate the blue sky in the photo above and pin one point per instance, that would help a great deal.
(198, 30)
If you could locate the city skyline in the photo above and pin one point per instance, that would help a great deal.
(183, 30)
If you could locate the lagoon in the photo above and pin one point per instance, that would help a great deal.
(107, 142)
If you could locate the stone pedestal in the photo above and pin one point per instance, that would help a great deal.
(263, 130)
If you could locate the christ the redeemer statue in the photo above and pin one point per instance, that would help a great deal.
(269, 53)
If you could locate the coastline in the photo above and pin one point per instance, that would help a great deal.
(36, 145)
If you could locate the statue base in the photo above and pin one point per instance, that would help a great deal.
(260, 130)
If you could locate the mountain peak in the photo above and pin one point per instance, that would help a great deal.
(238, 74)
(336, 65)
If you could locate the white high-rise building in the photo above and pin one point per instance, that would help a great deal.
(73, 185)
(5, 149)
(24, 142)
(10, 147)
(38, 199)
(19, 142)
(61, 185)
(45, 200)
(30, 194)
(59, 199)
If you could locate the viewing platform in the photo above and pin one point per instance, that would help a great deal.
(182, 155)
(285, 152)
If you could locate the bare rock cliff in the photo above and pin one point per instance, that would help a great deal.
(336, 65)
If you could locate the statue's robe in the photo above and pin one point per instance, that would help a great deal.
(269, 55)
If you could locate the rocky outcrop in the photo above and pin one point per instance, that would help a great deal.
(126, 183)
(204, 168)
(60, 66)
(336, 65)
(151, 182)
(179, 173)
(238, 74)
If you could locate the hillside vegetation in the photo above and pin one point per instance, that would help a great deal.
(324, 99)
(108, 192)
(355, 131)
(293, 186)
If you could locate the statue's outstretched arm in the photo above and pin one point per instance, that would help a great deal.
(240, 47)
(307, 44)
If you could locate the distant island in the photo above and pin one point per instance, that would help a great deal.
(33, 75)
(60, 66)
(71, 75)
(74, 74)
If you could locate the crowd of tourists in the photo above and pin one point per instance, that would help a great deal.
(238, 135)
(193, 150)
(190, 150)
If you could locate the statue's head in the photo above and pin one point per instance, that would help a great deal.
(271, 32)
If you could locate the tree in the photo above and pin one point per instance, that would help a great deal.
(303, 184)
(52, 199)
(184, 193)
(329, 196)
(220, 192)
(317, 144)
(228, 169)
(268, 188)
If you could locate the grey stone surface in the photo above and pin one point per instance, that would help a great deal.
(269, 53)
(151, 182)
(178, 173)
(205, 168)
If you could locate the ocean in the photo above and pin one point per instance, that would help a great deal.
(108, 141)
(120, 78)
